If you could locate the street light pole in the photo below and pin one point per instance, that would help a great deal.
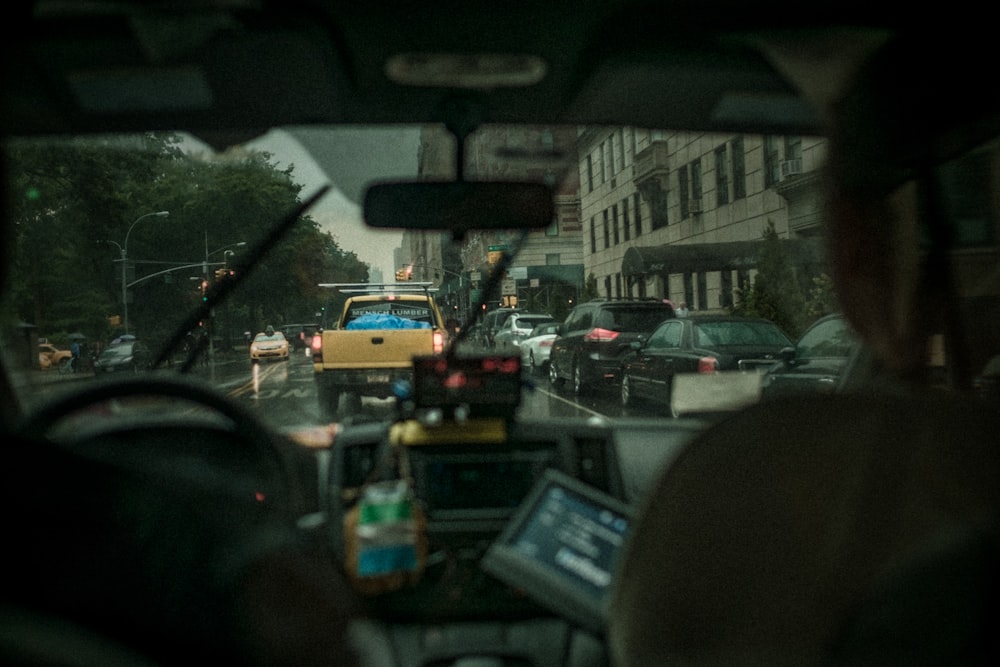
(124, 252)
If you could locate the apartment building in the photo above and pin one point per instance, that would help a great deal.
(682, 215)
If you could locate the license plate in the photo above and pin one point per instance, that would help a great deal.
(382, 378)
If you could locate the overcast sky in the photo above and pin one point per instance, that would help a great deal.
(348, 160)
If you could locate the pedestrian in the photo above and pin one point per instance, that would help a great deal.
(682, 309)
(203, 347)
(74, 360)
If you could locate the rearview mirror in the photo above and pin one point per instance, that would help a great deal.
(459, 206)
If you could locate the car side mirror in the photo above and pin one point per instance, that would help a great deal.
(787, 355)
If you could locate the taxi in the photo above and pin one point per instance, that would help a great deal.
(269, 345)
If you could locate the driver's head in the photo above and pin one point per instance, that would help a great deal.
(902, 115)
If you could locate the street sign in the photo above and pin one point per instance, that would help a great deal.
(508, 287)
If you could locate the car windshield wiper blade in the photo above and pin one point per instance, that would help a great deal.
(506, 258)
(222, 288)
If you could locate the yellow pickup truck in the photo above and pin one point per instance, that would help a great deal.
(381, 328)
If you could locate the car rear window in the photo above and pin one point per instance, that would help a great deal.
(417, 312)
(723, 334)
(632, 318)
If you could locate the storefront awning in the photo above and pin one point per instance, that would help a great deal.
(699, 257)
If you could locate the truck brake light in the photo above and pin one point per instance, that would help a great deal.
(317, 348)
(438, 342)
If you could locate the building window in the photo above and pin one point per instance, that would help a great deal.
(726, 293)
(772, 161)
(590, 173)
(739, 168)
(607, 287)
(552, 259)
(593, 235)
(611, 156)
(696, 179)
(626, 231)
(682, 188)
(721, 176)
(621, 148)
(607, 230)
(638, 214)
(793, 148)
(614, 223)
(689, 291)
(702, 289)
(600, 163)
(618, 285)
(553, 229)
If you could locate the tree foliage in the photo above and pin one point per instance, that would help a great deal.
(79, 206)
(775, 293)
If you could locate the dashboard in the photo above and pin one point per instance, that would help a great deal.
(469, 490)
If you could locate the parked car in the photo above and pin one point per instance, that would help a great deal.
(50, 356)
(269, 346)
(516, 328)
(128, 356)
(698, 344)
(492, 322)
(596, 337)
(536, 347)
(816, 362)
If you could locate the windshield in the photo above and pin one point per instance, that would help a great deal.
(296, 261)
(137, 235)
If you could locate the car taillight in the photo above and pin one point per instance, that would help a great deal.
(317, 348)
(708, 365)
(600, 336)
(438, 342)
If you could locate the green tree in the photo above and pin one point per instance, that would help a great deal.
(76, 202)
(775, 293)
(589, 288)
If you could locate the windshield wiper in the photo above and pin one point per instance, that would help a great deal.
(492, 281)
(221, 289)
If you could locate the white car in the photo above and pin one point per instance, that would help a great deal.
(516, 328)
(536, 347)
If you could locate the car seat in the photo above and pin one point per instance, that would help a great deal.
(789, 534)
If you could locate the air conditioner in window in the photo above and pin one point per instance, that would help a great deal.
(694, 205)
(791, 167)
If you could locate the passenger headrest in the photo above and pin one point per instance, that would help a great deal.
(761, 539)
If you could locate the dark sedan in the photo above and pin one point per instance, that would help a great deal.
(816, 363)
(129, 355)
(698, 345)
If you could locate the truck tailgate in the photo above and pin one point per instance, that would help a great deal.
(375, 348)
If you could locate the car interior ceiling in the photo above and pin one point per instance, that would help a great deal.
(273, 64)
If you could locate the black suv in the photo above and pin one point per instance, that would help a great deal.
(595, 338)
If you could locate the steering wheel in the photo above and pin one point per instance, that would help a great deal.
(264, 446)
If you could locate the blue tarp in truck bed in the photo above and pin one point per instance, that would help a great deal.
(384, 321)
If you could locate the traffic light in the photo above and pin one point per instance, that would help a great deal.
(402, 274)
